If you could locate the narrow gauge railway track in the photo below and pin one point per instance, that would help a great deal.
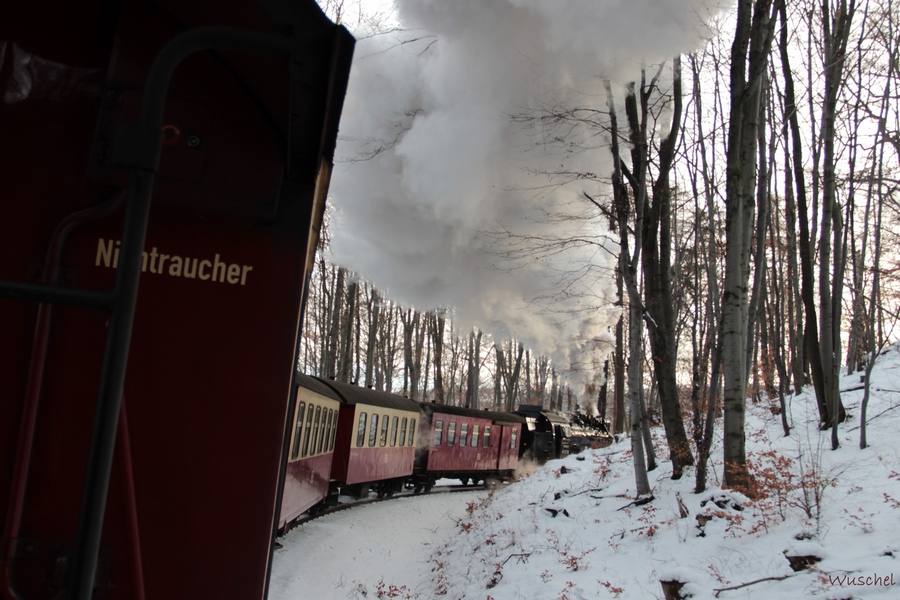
(438, 489)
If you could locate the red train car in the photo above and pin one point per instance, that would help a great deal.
(160, 481)
(377, 433)
(467, 444)
(315, 419)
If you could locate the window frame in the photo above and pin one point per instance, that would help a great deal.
(298, 430)
(316, 429)
(403, 427)
(362, 422)
(395, 425)
(451, 433)
(437, 433)
(332, 433)
(383, 435)
(307, 429)
(373, 430)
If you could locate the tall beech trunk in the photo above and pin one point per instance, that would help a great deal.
(749, 57)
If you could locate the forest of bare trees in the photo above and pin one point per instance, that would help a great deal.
(755, 196)
(353, 333)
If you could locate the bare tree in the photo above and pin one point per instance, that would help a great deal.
(436, 327)
(749, 56)
(474, 369)
(628, 263)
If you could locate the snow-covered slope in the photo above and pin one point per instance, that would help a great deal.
(572, 530)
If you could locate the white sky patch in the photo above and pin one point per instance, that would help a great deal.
(437, 188)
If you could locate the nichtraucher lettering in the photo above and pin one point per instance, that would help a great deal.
(176, 266)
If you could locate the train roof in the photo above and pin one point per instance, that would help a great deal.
(314, 385)
(501, 417)
(535, 411)
(556, 417)
(354, 394)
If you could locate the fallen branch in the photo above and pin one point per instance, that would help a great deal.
(522, 556)
(588, 491)
(639, 502)
(749, 583)
(870, 419)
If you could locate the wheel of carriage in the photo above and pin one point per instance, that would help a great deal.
(385, 489)
(464, 480)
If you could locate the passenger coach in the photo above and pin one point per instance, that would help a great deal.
(377, 433)
(316, 408)
(467, 444)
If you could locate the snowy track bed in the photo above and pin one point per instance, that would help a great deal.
(343, 554)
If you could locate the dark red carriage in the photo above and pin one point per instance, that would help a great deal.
(162, 482)
(377, 433)
(467, 444)
(315, 419)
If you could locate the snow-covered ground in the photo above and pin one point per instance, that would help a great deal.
(570, 531)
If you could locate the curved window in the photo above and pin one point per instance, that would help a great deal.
(475, 435)
(438, 432)
(382, 441)
(487, 437)
(298, 431)
(403, 431)
(333, 432)
(307, 430)
(513, 438)
(394, 422)
(324, 426)
(451, 433)
(317, 430)
(361, 430)
(373, 430)
(464, 434)
(412, 432)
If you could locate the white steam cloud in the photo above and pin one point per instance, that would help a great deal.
(444, 199)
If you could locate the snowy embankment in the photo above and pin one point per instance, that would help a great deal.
(571, 530)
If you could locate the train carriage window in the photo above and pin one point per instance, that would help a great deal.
(328, 430)
(373, 430)
(307, 430)
(394, 423)
(464, 434)
(361, 430)
(412, 432)
(438, 432)
(403, 426)
(298, 431)
(475, 435)
(324, 427)
(451, 433)
(382, 440)
(513, 438)
(487, 437)
(334, 419)
(317, 430)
